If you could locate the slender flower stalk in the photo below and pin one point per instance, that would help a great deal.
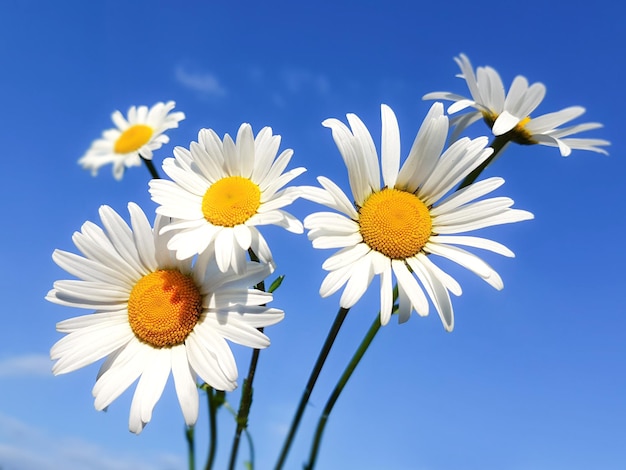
(317, 368)
(151, 168)
(191, 447)
(215, 399)
(246, 393)
(343, 380)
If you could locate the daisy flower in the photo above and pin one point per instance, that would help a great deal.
(509, 114)
(135, 137)
(153, 314)
(394, 227)
(222, 191)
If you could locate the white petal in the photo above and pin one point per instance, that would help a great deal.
(390, 147)
(475, 242)
(410, 286)
(150, 388)
(212, 341)
(224, 246)
(361, 278)
(185, 385)
(346, 257)
(504, 123)
(243, 236)
(144, 238)
(87, 345)
(206, 366)
(245, 150)
(126, 367)
(465, 195)
(335, 280)
(366, 151)
(386, 295)
(436, 291)
(469, 261)
(121, 236)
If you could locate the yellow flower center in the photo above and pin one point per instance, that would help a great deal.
(164, 307)
(395, 223)
(231, 201)
(521, 135)
(133, 138)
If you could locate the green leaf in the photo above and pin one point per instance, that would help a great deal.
(276, 284)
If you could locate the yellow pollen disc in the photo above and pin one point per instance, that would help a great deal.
(395, 223)
(133, 138)
(521, 135)
(231, 201)
(164, 307)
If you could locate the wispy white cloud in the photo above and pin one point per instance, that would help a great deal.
(28, 365)
(300, 80)
(203, 82)
(27, 447)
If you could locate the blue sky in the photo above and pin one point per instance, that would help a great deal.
(532, 377)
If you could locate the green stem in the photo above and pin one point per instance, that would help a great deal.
(213, 405)
(246, 392)
(497, 144)
(191, 455)
(151, 168)
(246, 433)
(358, 355)
(332, 334)
(244, 407)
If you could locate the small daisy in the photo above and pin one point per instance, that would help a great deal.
(221, 192)
(153, 314)
(509, 114)
(136, 137)
(393, 228)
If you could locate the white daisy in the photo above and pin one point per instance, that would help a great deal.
(508, 114)
(393, 228)
(221, 192)
(153, 314)
(135, 137)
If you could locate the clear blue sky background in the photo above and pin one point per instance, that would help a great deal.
(532, 378)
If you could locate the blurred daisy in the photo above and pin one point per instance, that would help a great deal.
(153, 314)
(135, 137)
(509, 114)
(394, 226)
(221, 192)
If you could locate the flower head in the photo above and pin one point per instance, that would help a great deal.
(394, 227)
(153, 314)
(222, 190)
(135, 137)
(509, 113)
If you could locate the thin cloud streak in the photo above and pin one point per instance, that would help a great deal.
(205, 83)
(28, 365)
(27, 447)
